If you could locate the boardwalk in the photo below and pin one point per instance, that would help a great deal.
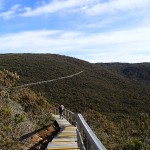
(66, 138)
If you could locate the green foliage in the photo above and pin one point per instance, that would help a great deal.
(137, 71)
(101, 87)
(5, 112)
(134, 144)
(7, 78)
(136, 132)
(106, 130)
(22, 111)
(20, 118)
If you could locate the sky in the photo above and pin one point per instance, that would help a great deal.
(91, 30)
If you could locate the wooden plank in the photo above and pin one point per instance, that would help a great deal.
(62, 145)
(66, 138)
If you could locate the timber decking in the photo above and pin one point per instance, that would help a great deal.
(66, 138)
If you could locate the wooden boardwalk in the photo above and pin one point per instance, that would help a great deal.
(66, 138)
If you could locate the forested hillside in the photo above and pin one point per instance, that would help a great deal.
(105, 90)
(109, 95)
(138, 72)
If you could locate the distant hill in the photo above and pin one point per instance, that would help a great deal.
(137, 71)
(114, 97)
(116, 90)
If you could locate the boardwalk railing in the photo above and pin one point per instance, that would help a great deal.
(68, 115)
(86, 138)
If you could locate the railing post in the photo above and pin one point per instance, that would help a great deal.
(68, 116)
(65, 112)
(56, 111)
(71, 119)
(88, 144)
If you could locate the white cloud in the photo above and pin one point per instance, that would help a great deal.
(53, 6)
(90, 7)
(116, 57)
(130, 45)
(1, 4)
(113, 6)
(11, 12)
(57, 5)
(100, 24)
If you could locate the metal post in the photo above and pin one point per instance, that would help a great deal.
(65, 114)
(68, 116)
(89, 146)
(55, 111)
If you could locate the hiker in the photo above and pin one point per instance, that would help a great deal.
(61, 109)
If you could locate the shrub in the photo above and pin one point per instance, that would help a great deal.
(133, 144)
(19, 118)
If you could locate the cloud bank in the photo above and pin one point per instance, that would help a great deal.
(88, 7)
(113, 46)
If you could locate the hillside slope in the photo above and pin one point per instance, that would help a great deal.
(23, 113)
(112, 102)
(98, 87)
(137, 71)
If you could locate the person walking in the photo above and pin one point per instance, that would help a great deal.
(61, 110)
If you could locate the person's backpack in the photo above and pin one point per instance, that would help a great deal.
(60, 109)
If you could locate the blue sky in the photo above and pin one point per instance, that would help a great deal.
(92, 30)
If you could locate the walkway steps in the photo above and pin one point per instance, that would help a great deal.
(66, 139)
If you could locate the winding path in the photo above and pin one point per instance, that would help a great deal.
(60, 78)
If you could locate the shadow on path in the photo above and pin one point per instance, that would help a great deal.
(32, 133)
(42, 144)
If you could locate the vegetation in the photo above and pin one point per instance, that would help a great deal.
(114, 98)
(140, 72)
(136, 134)
(21, 112)
(128, 135)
